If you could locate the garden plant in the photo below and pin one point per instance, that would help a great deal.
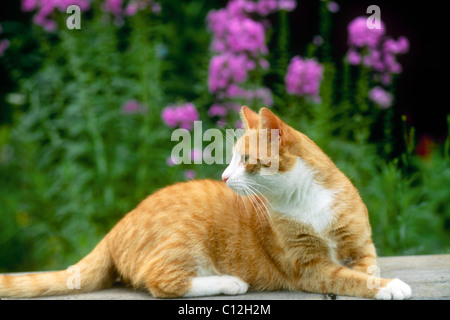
(87, 114)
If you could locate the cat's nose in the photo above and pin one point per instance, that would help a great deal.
(224, 179)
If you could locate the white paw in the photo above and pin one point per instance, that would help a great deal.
(395, 290)
(232, 285)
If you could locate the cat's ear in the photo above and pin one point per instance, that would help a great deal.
(270, 121)
(250, 119)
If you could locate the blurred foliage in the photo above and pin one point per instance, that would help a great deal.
(72, 163)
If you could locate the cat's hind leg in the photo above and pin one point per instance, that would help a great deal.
(216, 285)
(177, 276)
(187, 286)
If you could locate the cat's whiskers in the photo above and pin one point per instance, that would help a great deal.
(231, 139)
(255, 187)
(240, 200)
(256, 206)
(256, 198)
(241, 197)
(256, 184)
(240, 187)
(261, 203)
(237, 201)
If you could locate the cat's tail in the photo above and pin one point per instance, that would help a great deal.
(93, 272)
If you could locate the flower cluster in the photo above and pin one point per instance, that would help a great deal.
(236, 32)
(182, 116)
(239, 41)
(4, 44)
(119, 8)
(46, 8)
(303, 78)
(359, 35)
(381, 97)
(373, 49)
(228, 69)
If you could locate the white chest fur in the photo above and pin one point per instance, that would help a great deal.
(301, 198)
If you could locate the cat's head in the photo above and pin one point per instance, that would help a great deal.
(268, 154)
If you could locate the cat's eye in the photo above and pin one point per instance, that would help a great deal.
(244, 159)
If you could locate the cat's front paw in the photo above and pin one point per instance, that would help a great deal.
(233, 285)
(395, 290)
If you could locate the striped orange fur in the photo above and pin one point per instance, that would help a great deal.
(207, 237)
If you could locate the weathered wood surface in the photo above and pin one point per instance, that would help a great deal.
(428, 276)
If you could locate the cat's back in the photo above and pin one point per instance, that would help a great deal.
(198, 205)
(195, 197)
(183, 203)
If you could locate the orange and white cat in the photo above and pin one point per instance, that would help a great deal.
(304, 228)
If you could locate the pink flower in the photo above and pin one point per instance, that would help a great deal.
(196, 155)
(382, 98)
(219, 75)
(170, 162)
(46, 8)
(169, 117)
(235, 91)
(133, 107)
(245, 35)
(190, 174)
(396, 47)
(353, 57)
(318, 40)
(373, 59)
(264, 7)
(287, 5)
(42, 20)
(187, 115)
(131, 9)
(217, 22)
(377, 52)
(263, 63)
(217, 110)
(264, 95)
(228, 68)
(28, 5)
(134, 6)
(237, 8)
(239, 65)
(4, 44)
(390, 49)
(182, 116)
(359, 35)
(386, 78)
(233, 31)
(113, 6)
(239, 38)
(391, 63)
(333, 7)
(303, 77)
(156, 8)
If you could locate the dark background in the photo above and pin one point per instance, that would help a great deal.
(422, 88)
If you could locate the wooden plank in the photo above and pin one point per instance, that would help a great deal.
(428, 276)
